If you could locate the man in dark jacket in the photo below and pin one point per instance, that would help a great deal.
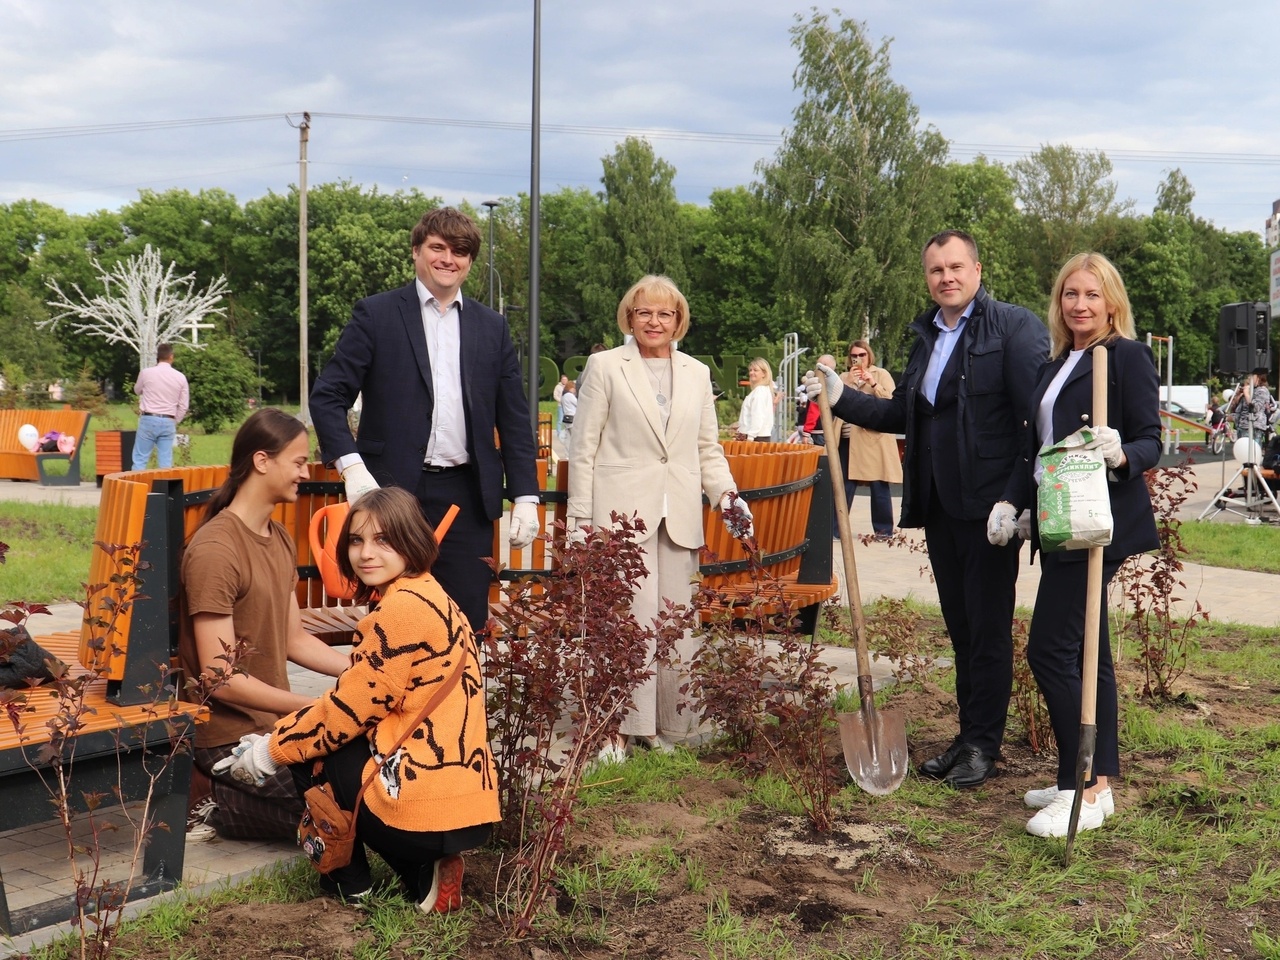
(438, 375)
(962, 402)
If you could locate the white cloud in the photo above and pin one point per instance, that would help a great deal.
(1180, 77)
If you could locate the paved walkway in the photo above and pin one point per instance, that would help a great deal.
(34, 862)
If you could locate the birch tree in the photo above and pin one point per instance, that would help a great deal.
(142, 305)
(856, 188)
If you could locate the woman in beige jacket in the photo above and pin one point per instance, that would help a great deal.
(646, 441)
(868, 456)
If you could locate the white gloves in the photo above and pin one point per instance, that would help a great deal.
(1106, 440)
(1002, 524)
(574, 529)
(524, 524)
(358, 481)
(250, 762)
(1024, 525)
(814, 380)
(736, 515)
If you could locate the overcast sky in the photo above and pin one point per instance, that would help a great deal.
(1157, 85)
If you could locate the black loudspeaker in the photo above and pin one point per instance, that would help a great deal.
(1244, 337)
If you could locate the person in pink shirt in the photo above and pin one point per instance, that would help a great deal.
(163, 399)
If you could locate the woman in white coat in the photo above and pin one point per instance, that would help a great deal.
(646, 441)
(755, 421)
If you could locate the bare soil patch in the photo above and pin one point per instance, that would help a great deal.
(866, 889)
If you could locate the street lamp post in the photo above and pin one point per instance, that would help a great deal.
(535, 218)
(490, 204)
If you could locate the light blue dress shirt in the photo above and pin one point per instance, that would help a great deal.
(948, 337)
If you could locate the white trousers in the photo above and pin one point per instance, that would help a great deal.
(654, 706)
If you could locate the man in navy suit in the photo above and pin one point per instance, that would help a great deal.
(437, 373)
(961, 401)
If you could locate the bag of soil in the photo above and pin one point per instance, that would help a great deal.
(1074, 508)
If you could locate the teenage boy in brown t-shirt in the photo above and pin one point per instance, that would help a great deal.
(238, 579)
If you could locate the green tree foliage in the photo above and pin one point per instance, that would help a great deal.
(1180, 270)
(733, 263)
(1065, 195)
(857, 187)
(358, 244)
(39, 241)
(570, 220)
(221, 377)
(39, 353)
(195, 231)
(983, 204)
(1174, 195)
(638, 233)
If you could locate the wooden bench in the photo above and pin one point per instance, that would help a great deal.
(546, 430)
(19, 463)
(161, 508)
(790, 496)
(130, 720)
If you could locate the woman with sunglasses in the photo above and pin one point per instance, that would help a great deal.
(868, 456)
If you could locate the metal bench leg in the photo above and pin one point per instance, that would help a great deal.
(809, 618)
(6, 925)
(166, 848)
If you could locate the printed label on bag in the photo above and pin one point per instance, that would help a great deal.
(1073, 502)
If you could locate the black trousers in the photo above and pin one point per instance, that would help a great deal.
(1055, 650)
(976, 590)
(411, 854)
(460, 569)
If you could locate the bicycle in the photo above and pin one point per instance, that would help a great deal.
(1221, 436)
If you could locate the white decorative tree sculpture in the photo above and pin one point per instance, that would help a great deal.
(143, 305)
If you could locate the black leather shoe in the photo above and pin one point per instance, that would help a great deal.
(971, 768)
(937, 768)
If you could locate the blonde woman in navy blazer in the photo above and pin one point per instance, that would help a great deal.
(646, 441)
(1089, 308)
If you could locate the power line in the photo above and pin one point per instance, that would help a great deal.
(140, 126)
(993, 150)
(997, 150)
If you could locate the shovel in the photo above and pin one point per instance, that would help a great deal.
(874, 742)
(1092, 611)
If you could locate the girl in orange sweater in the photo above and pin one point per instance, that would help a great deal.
(437, 794)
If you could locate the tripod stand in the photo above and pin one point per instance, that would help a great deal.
(1257, 494)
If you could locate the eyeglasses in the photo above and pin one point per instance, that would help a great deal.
(856, 356)
(644, 313)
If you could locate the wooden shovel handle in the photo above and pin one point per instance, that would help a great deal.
(853, 594)
(1093, 596)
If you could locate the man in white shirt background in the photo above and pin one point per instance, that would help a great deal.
(163, 399)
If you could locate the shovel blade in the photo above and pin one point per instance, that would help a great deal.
(875, 748)
(1084, 764)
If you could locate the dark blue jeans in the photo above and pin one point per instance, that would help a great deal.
(881, 502)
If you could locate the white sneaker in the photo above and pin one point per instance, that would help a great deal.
(657, 743)
(1039, 799)
(614, 751)
(1054, 819)
(199, 829)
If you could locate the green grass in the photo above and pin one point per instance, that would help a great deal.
(1237, 546)
(50, 544)
(1202, 834)
(204, 449)
(49, 547)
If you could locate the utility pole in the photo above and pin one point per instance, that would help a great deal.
(304, 133)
